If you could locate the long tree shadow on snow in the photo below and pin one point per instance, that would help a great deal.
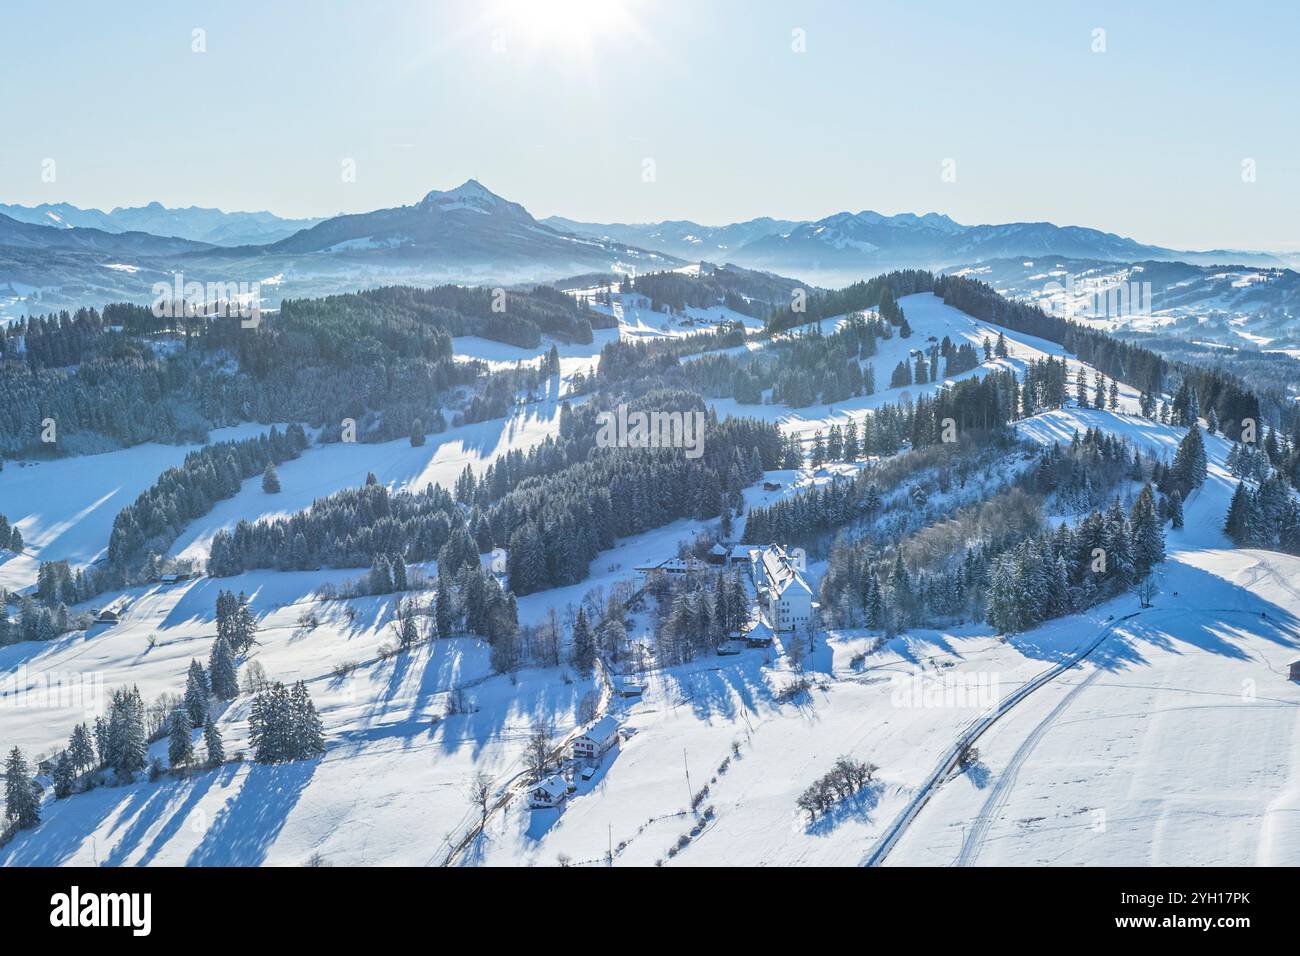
(1201, 619)
(722, 687)
(249, 823)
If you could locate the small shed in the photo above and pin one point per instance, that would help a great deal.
(759, 634)
(631, 687)
(106, 616)
(548, 793)
(1295, 670)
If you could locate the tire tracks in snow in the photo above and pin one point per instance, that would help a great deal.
(1006, 781)
(968, 737)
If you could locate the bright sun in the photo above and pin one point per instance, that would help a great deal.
(563, 26)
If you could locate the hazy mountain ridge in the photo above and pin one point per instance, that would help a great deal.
(872, 240)
(469, 234)
(200, 224)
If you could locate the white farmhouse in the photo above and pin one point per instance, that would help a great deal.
(598, 740)
(548, 793)
(785, 596)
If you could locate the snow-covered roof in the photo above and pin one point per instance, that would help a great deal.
(674, 566)
(631, 685)
(553, 786)
(602, 729)
(780, 573)
(759, 630)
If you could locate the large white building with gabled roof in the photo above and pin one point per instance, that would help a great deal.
(784, 595)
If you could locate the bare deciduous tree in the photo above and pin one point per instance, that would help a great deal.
(537, 752)
(1147, 589)
(480, 793)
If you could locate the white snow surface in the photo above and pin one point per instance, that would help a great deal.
(1176, 741)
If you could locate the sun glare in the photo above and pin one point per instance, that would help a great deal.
(563, 26)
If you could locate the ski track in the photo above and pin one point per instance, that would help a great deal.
(1006, 780)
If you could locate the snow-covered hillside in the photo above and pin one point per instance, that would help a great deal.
(1177, 730)
(1181, 727)
(931, 319)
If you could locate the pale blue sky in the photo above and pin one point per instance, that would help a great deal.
(1146, 139)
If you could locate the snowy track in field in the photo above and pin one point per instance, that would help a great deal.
(1006, 781)
(968, 738)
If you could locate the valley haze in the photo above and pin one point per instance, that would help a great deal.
(583, 434)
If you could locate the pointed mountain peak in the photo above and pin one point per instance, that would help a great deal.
(470, 194)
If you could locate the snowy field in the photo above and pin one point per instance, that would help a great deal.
(65, 507)
(1154, 731)
(1176, 743)
(325, 469)
(1178, 735)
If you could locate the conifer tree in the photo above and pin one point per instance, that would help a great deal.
(1189, 468)
(407, 632)
(271, 480)
(196, 694)
(875, 607)
(212, 741)
(584, 646)
(221, 671)
(443, 616)
(1176, 509)
(22, 805)
(900, 588)
(180, 743)
(1148, 536)
(125, 741)
(307, 733)
(1241, 524)
(381, 576)
(64, 775)
(245, 626)
(270, 725)
(227, 614)
(81, 751)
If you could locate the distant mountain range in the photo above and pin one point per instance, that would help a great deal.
(25, 235)
(210, 226)
(56, 256)
(467, 235)
(870, 241)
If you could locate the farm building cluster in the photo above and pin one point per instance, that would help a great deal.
(586, 752)
(783, 599)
